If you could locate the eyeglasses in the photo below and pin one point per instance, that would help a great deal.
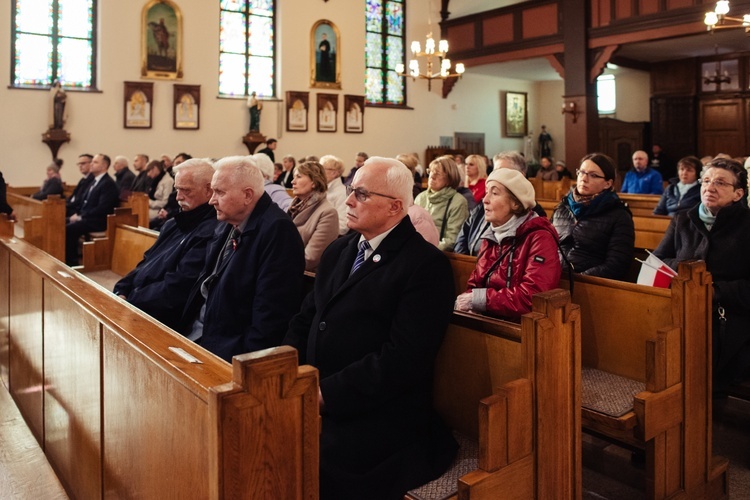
(719, 183)
(362, 195)
(583, 173)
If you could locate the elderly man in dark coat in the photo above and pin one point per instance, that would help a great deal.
(251, 283)
(160, 284)
(372, 326)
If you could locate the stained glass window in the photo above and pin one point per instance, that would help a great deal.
(384, 40)
(53, 40)
(246, 48)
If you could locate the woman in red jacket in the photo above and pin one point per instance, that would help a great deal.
(518, 255)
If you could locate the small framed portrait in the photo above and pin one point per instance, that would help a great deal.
(354, 114)
(325, 56)
(328, 106)
(187, 105)
(161, 40)
(139, 99)
(516, 119)
(297, 104)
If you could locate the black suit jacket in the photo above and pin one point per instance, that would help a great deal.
(73, 204)
(99, 202)
(374, 337)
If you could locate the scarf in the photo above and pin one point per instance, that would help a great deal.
(684, 188)
(299, 204)
(706, 216)
(580, 204)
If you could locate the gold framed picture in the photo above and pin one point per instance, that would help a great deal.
(516, 119)
(138, 102)
(187, 105)
(325, 55)
(161, 40)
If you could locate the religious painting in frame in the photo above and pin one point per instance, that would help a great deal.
(187, 104)
(328, 106)
(138, 102)
(161, 40)
(325, 55)
(297, 104)
(516, 118)
(354, 114)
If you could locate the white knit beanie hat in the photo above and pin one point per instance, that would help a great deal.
(515, 182)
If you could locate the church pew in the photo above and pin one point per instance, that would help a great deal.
(650, 229)
(100, 381)
(647, 377)
(643, 203)
(41, 223)
(138, 204)
(512, 394)
(550, 190)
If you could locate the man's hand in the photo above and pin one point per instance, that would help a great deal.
(75, 218)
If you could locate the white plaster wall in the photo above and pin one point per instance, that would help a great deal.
(96, 119)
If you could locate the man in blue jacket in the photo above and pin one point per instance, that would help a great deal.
(160, 284)
(251, 283)
(642, 179)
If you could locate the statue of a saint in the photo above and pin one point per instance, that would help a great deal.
(254, 105)
(545, 143)
(57, 101)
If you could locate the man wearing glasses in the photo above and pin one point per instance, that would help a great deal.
(372, 326)
(642, 179)
(73, 204)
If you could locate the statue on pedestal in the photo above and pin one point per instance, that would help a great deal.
(58, 100)
(254, 106)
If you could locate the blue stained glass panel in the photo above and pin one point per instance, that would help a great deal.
(261, 36)
(395, 53)
(374, 50)
(74, 59)
(374, 85)
(261, 76)
(374, 15)
(235, 5)
(395, 88)
(34, 16)
(232, 33)
(261, 7)
(72, 13)
(232, 74)
(395, 17)
(33, 64)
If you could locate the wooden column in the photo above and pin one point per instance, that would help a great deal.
(580, 129)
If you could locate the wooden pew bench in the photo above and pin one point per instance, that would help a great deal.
(649, 230)
(640, 204)
(144, 412)
(647, 377)
(41, 223)
(512, 394)
(107, 259)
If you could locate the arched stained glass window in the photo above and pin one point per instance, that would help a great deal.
(53, 40)
(247, 48)
(384, 49)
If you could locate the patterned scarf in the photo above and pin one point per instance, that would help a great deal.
(580, 204)
(299, 204)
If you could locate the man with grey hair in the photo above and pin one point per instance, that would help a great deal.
(367, 330)
(251, 283)
(277, 193)
(336, 192)
(469, 239)
(124, 177)
(159, 285)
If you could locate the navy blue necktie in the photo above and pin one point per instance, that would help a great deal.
(363, 245)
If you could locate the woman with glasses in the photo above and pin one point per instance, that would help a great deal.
(476, 173)
(446, 205)
(595, 227)
(683, 191)
(316, 219)
(717, 231)
(518, 254)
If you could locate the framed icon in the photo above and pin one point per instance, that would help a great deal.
(325, 55)
(516, 118)
(328, 106)
(187, 105)
(161, 40)
(138, 102)
(297, 104)
(354, 114)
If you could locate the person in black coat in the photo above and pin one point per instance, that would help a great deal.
(684, 191)
(597, 235)
(717, 231)
(251, 283)
(51, 185)
(98, 201)
(372, 326)
(124, 177)
(4, 207)
(73, 204)
(160, 284)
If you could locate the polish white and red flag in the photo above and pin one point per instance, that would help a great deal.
(654, 272)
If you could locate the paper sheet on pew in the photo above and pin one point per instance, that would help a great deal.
(654, 272)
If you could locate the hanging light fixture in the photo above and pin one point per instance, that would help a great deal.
(437, 62)
(718, 76)
(719, 20)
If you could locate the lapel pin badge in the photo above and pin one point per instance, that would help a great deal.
(376, 257)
